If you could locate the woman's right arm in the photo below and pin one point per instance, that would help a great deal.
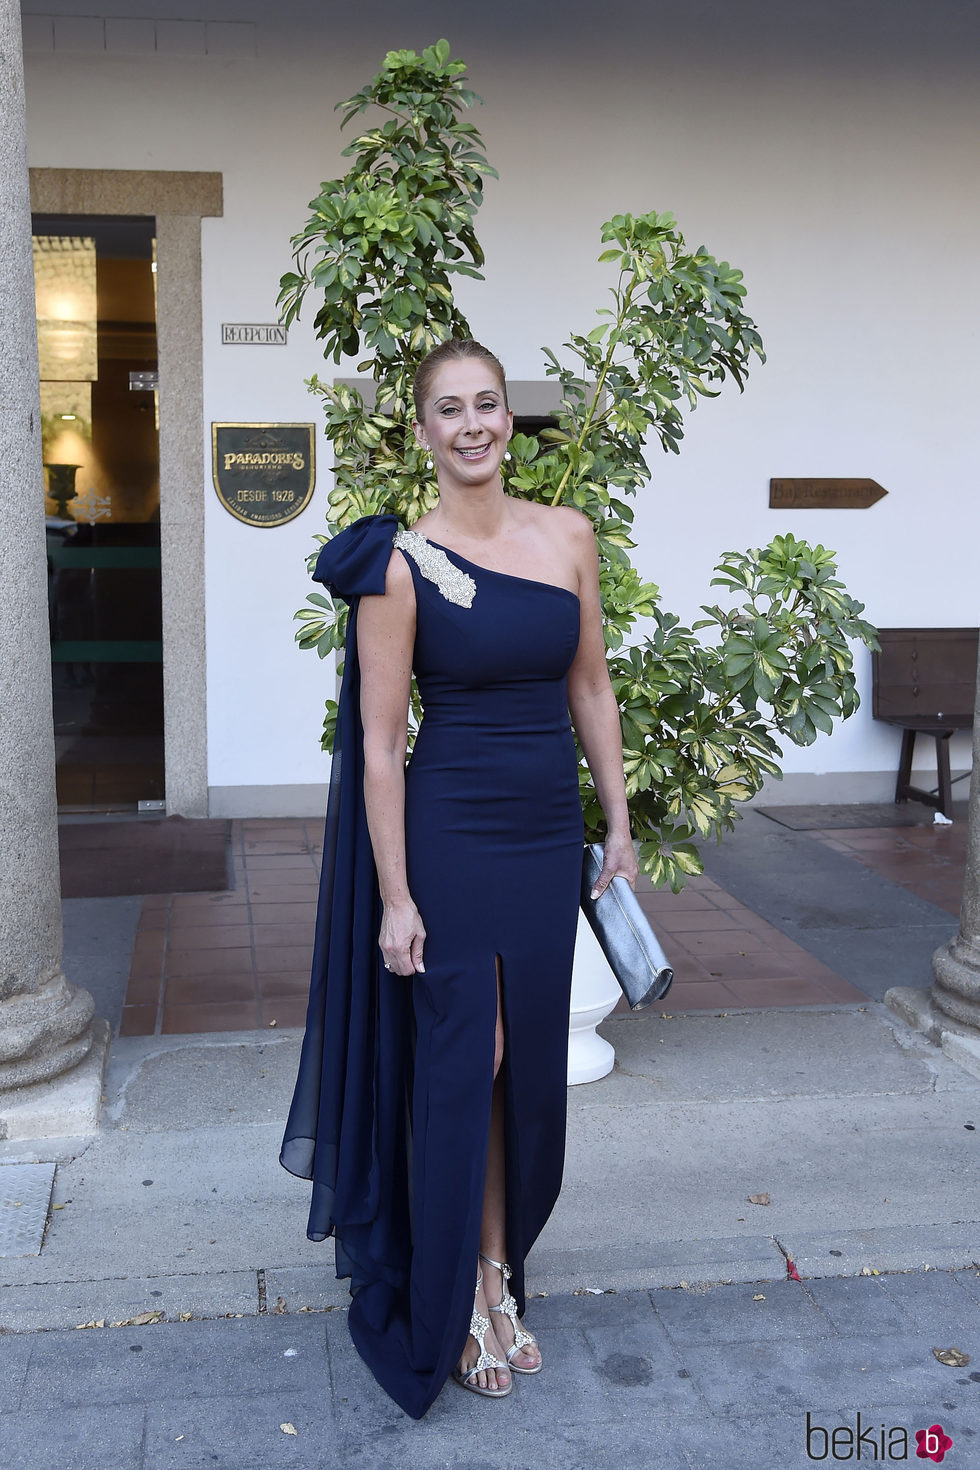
(385, 641)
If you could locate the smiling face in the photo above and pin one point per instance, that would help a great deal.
(467, 423)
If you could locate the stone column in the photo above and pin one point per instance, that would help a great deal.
(182, 512)
(956, 965)
(45, 1021)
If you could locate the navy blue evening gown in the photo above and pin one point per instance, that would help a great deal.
(390, 1116)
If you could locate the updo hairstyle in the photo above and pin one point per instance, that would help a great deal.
(453, 350)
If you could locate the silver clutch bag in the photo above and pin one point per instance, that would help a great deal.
(625, 936)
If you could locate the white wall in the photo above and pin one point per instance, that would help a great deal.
(827, 149)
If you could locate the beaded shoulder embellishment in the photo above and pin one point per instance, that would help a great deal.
(454, 584)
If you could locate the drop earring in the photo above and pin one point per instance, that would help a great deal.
(507, 454)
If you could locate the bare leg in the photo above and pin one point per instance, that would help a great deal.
(492, 1241)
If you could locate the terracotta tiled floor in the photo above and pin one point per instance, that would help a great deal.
(928, 860)
(231, 961)
(725, 955)
(241, 960)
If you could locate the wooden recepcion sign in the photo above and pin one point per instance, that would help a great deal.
(824, 494)
(264, 473)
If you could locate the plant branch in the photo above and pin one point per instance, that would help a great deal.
(600, 383)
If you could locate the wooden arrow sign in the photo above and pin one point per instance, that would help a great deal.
(824, 494)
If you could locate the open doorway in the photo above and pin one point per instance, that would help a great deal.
(97, 345)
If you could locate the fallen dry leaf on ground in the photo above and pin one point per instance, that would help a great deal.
(952, 1357)
(758, 1199)
(99, 1323)
(289, 1429)
(280, 1306)
(143, 1320)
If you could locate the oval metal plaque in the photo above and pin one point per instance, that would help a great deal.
(264, 473)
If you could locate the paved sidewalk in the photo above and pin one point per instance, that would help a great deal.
(661, 1290)
(861, 1134)
(722, 1378)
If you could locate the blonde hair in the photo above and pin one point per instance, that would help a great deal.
(454, 350)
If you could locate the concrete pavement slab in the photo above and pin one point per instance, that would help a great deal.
(638, 1365)
(172, 1360)
(99, 938)
(243, 1432)
(885, 1248)
(937, 1302)
(970, 1282)
(891, 1367)
(958, 1420)
(775, 1438)
(855, 1306)
(963, 1050)
(247, 1074)
(486, 1446)
(98, 1437)
(573, 1394)
(933, 1302)
(742, 1314)
(607, 1309)
(753, 1056)
(15, 1355)
(316, 1286)
(559, 1419)
(679, 1171)
(567, 1266)
(71, 1303)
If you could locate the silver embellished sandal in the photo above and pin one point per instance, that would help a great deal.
(479, 1327)
(507, 1305)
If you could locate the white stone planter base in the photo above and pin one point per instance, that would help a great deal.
(595, 991)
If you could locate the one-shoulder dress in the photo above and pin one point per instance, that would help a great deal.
(390, 1115)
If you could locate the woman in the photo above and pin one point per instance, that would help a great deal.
(430, 1105)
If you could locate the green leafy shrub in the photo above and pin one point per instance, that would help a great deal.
(379, 251)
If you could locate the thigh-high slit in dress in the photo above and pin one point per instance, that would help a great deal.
(390, 1116)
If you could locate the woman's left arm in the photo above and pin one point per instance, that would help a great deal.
(595, 711)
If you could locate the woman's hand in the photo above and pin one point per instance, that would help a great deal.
(619, 861)
(401, 939)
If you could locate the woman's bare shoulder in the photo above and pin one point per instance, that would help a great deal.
(563, 523)
(399, 587)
